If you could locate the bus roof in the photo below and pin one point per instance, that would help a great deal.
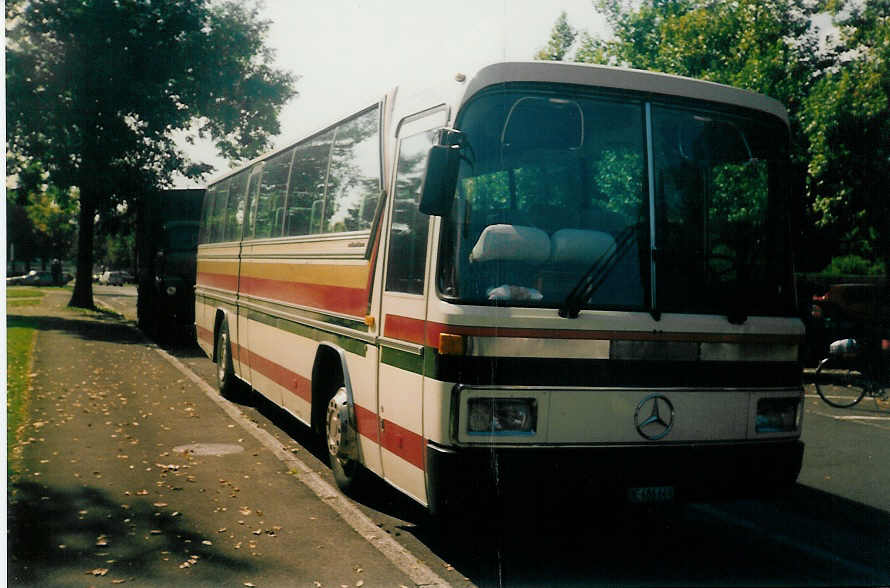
(620, 78)
(585, 74)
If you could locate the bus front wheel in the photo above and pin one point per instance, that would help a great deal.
(342, 442)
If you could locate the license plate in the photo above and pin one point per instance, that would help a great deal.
(651, 494)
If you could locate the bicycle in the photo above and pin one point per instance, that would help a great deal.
(850, 373)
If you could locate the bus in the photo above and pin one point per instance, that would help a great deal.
(538, 269)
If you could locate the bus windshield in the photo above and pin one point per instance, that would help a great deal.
(553, 202)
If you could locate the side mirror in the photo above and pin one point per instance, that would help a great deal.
(442, 165)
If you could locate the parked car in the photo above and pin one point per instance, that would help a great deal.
(111, 278)
(32, 278)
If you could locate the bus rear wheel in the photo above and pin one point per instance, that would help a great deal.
(342, 442)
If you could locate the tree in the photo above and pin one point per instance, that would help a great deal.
(97, 90)
(847, 122)
(53, 216)
(562, 37)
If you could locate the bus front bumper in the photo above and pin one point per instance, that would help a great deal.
(691, 471)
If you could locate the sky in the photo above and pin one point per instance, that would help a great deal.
(348, 53)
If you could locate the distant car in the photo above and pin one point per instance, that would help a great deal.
(17, 280)
(110, 278)
(32, 278)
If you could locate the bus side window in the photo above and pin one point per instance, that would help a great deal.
(218, 221)
(307, 184)
(207, 214)
(409, 227)
(236, 207)
(354, 174)
(270, 202)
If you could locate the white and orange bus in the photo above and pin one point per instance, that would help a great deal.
(542, 267)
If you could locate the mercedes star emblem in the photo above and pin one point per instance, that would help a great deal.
(660, 417)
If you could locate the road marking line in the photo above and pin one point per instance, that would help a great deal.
(415, 569)
(788, 541)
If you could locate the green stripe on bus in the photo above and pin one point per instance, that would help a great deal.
(346, 343)
(354, 324)
(402, 359)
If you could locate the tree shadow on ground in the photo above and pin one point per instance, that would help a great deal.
(102, 328)
(55, 531)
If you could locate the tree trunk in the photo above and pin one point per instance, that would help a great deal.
(83, 279)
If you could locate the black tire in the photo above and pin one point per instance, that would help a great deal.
(226, 381)
(839, 385)
(347, 471)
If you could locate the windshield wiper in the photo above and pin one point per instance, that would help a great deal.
(594, 277)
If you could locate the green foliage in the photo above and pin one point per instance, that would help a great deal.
(562, 37)
(847, 121)
(854, 265)
(97, 90)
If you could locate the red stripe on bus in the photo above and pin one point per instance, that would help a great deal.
(366, 423)
(291, 380)
(427, 333)
(205, 334)
(405, 329)
(351, 301)
(222, 281)
(405, 443)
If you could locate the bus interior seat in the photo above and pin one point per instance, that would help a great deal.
(297, 221)
(506, 259)
(579, 246)
(575, 251)
(517, 243)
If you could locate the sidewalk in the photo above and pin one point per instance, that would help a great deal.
(129, 474)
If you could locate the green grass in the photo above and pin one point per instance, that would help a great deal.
(20, 337)
(14, 292)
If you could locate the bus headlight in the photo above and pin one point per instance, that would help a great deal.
(777, 415)
(502, 416)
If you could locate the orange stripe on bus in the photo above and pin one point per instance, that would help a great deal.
(349, 276)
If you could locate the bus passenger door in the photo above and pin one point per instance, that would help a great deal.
(403, 312)
(244, 355)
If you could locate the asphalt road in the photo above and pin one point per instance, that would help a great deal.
(832, 528)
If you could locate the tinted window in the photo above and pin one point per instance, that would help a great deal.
(270, 203)
(305, 201)
(206, 212)
(408, 232)
(720, 213)
(353, 184)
